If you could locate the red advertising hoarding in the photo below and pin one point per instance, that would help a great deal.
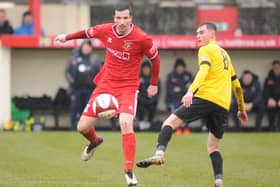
(162, 41)
(225, 18)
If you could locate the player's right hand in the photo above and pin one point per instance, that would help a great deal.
(187, 99)
(152, 90)
(60, 38)
(243, 118)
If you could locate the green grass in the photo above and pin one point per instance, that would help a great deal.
(52, 159)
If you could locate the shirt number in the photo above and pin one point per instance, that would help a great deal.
(225, 59)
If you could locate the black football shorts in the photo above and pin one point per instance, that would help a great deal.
(216, 117)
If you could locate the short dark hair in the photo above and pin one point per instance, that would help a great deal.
(274, 62)
(145, 63)
(247, 72)
(2, 10)
(179, 62)
(124, 6)
(209, 25)
(27, 13)
(88, 42)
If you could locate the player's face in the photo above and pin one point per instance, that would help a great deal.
(123, 20)
(204, 35)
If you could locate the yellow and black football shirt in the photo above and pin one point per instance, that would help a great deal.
(213, 80)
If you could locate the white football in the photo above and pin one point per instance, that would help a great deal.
(105, 106)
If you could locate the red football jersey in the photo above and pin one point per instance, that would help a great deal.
(123, 54)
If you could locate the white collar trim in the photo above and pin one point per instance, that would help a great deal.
(118, 36)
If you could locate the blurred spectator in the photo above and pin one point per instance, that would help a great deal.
(272, 96)
(146, 106)
(252, 97)
(80, 71)
(177, 84)
(5, 27)
(27, 25)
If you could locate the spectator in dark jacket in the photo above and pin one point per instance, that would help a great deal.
(5, 27)
(27, 25)
(272, 96)
(252, 97)
(177, 84)
(80, 71)
(146, 106)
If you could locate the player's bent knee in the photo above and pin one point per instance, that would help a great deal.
(126, 123)
(213, 148)
(81, 128)
(173, 121)
(166, 124)
(126, 128)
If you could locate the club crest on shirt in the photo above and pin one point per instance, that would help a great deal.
(127, 45)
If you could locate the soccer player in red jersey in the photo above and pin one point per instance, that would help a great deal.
(126, 44)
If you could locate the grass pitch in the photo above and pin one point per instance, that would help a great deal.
(52, 159)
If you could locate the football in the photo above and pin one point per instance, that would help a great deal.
(105, 106)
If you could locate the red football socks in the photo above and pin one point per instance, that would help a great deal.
(91, 136)
(129, 149)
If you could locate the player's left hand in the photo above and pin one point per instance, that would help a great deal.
(243, 117)
(60, 38)
(152, 90)
(187, 99)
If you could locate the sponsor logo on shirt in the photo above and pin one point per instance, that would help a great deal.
(109, 40)
(119, 54)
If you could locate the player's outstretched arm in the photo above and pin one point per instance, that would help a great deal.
(76, 35)
(238, 93)
(199, 78)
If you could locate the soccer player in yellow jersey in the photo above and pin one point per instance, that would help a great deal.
(208, 97)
